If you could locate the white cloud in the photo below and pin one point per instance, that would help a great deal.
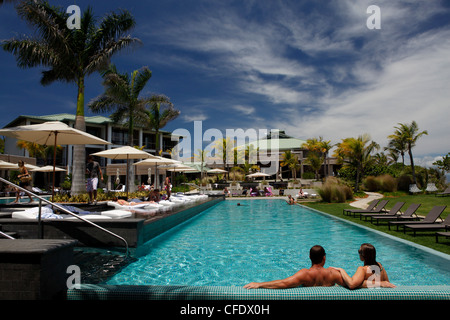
(412, 87)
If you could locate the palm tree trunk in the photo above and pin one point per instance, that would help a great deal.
(79, 151)
(412, 164)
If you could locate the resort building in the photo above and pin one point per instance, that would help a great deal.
(271, 150)
(99, 126)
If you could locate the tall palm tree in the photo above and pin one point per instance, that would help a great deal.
(70, 55)
(121, 97)
(159, 111)
(356, 153)
(408, 134)
(290, 160)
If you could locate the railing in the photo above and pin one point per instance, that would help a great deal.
(64, 210)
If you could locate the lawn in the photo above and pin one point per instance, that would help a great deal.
(423, 238)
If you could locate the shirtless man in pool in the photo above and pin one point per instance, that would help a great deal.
(316, 276)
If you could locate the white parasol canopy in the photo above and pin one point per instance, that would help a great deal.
(52, 133)
(157, 162)
(47, 169)
(125, 152)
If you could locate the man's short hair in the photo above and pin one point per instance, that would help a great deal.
(316, 254)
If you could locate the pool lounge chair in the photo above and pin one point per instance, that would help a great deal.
(391, 213)
(368, 209)
(446, 192)
(378, 209)
(428, 226)
(443, 233)
(409, 214)
(431, 217)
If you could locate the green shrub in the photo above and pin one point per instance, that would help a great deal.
(333, 190)
(383, 183)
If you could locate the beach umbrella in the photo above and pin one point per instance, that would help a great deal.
(258, 174)
(157, 162)
(4, 165)
(47, 169)
(124, 153)
(217, 171)
(52, 133)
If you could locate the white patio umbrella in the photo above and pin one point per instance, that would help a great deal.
(47, 169)
(258, 174)
(52, 133)
(217, 170)
(156, 162)
(123, 153)
(5, 165)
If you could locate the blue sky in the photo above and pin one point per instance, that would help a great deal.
(311, 68)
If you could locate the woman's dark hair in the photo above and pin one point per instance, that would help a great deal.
(316, 254)
(368, 252)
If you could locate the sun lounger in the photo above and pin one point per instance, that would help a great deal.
(443, 233)
(368, 209)
(431, 217)
(409, 214)
(378, 209)
(393, 212)
(428, 226)
(446, 192)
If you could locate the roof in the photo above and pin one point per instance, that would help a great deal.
(66, 117)
(278, 139)
(63, 117)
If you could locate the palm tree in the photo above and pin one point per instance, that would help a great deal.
(356, 153)
(159, 111)
(291, 161)
(121, 97)
(70, 55)
(397, 145)
(315, 156)
(408, 134)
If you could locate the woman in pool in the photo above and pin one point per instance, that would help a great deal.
(370, 275)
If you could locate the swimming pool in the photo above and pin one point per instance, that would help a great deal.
(230, 245)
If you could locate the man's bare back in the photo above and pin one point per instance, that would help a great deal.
(315, 276)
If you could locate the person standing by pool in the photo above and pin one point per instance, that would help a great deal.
(316, 276)
(93, 171)
(371, 275)
(25, 178)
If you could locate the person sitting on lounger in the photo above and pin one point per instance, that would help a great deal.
(316, 276)
(154, 195)
(132, 203)
(371, 275)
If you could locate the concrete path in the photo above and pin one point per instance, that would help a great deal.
(364, 202)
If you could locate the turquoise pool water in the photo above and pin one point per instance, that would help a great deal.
(230, 245)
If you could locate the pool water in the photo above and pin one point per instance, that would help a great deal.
(263, 240)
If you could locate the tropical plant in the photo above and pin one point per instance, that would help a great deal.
(70, 54)
(290, 160)
(317, 154)
(37, 150)
(356, 153)
(121, 96)
(159, 111)
(408, 134)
